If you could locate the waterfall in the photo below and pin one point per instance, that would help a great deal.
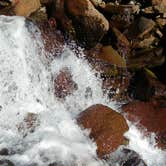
(26, 86)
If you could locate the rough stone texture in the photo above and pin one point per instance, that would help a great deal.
(25, 7)
(64, 84)
(90, 25)
(53, 40)
(151, 115)
(107, 127)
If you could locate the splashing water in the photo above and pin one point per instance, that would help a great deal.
(26, 86)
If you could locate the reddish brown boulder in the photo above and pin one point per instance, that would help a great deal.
(64, 84)
(151, 115)
(107, 127)
(53, 39)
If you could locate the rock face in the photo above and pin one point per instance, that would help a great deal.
(107, 127)
(90, 25)
(53, 40)
(25, 7)
(64, 84)
(150, 115)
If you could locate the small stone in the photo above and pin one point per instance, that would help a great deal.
(64, 84)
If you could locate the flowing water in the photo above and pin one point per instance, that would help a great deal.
(26, 86)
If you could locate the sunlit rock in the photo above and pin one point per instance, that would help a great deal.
(90, 24)
(25, 7)
(107, 127)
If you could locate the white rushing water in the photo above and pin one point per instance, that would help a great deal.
(26, 86)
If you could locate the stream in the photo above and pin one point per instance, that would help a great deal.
(26, 86)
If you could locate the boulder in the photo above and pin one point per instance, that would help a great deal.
(150, 115)
(107, 127)
(64, 84)
(90, 25)
(110, 55)
(53, 39)
(25, 7)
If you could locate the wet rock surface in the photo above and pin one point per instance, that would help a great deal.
(53, 40)
(150, 115)
(107, 128)
(64, 84)
(29, 124)
(125, 44)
